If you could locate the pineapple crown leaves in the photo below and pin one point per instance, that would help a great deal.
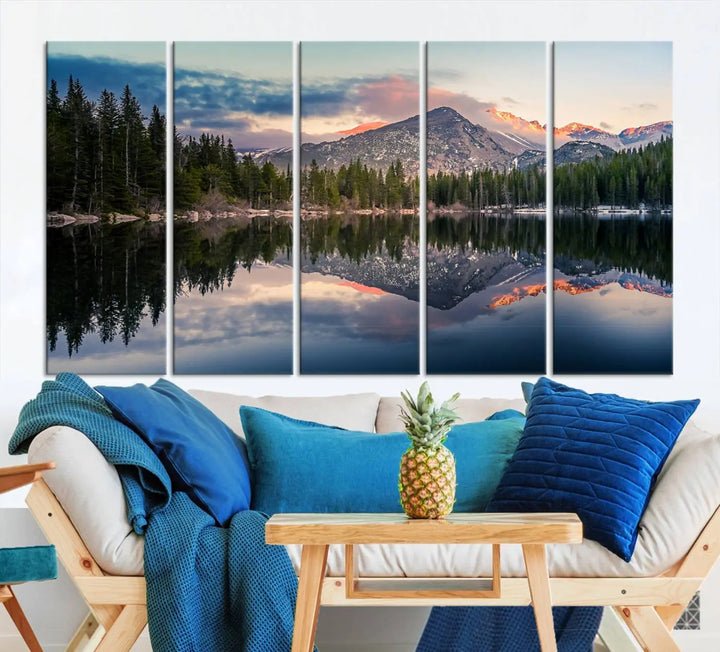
(426, 423)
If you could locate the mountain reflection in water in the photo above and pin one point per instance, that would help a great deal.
(486, 294)
(359, 292)
(613, 301)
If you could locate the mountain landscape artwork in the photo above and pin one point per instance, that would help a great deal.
(233, 274)
(486, 289)
(359, 201)
(106, 205)
(613, 201)
(358, 186)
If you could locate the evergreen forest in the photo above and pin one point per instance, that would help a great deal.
(209, 175)
(357, 186)
(631, 177)
(486, 188)
(103, 156)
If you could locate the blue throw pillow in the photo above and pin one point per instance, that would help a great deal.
(597, 455)
(204, 457)
(307, 467)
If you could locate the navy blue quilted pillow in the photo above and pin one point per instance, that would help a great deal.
(597, 455)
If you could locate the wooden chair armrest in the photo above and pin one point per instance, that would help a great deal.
(12, 477)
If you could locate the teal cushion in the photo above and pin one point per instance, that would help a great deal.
(204, 457)
(527, 390)
(506, 414)
(27, 564)
(307, 467)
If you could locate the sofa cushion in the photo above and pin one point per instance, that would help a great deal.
(303, 466)
(350, 411)
(597, 455)
(686, 495)
(469, 410)
(203, 456)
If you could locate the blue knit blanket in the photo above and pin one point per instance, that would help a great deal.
(208, 588)
(506, 629)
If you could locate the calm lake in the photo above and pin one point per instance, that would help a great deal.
(486, 294)
(233, 296)
(106, 298)
(359, 294)
(613, 294)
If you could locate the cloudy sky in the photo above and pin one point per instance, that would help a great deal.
(473, 78)
(241, 90)
(347, 84)
(613, 85)
(109, 65)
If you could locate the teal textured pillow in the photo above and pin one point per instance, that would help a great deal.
(597, 455)
(527, 390)
(307, 467)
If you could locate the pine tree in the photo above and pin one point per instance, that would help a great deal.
(57, 149)
(79, 112)
(107, 115)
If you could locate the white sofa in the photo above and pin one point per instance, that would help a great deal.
(683, 502)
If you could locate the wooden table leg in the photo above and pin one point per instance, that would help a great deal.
(537, 572)
(21, 622)
(312, 574)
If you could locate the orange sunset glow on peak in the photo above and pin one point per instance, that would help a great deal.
(362, 128)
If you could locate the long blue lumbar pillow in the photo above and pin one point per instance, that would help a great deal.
(307, 467)
(597, 455)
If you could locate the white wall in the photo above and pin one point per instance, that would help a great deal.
(694, 28)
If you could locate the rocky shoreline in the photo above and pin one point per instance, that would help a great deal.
(322, 212)
(204, 216)
(59, 220)
(494, 211)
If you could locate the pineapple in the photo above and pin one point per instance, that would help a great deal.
(427, 469)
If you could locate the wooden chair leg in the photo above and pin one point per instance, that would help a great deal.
(670, 614)
(88, 635)
(648, 628)
(125, 630)
(312, 574)
(21, 622)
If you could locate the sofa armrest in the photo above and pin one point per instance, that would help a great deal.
(684, 499)
(89, 490)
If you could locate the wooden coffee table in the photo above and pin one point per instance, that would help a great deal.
(315, 532)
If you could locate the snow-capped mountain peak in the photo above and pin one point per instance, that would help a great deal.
(516, 122)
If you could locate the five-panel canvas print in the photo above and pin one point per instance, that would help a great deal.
(481, 190)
